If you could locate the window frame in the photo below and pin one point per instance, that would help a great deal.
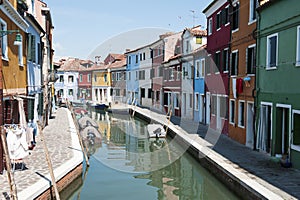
(210, 26)
(196, 101)
(251, 11)
(268, 67)
(4, 41)
(253, 46)
(232, 108)
(236, 62)
(239, 114)
(297, 63)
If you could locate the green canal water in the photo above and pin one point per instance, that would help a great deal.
(126, 164)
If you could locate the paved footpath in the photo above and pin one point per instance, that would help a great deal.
(64, 149)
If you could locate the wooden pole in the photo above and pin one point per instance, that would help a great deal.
(10, 177)
(48, 161)
(169, 114)
(78, 134)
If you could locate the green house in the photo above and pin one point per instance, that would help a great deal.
(278, 80)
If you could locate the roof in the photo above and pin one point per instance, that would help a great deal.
(200, 48)
(209, 6)
(264, 4)
(72, 64)
(196, 31)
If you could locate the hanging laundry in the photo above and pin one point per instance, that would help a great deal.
(234, 87)
(239, 85)
(16, 143)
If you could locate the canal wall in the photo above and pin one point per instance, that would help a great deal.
(243, 183)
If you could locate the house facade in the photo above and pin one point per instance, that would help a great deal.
(217, 62)
(34, 68)
(85, 84)
(101, 84)
(242, 72)
(118, 80)
(277, 91)
(132, 83)
(199, 84)
(14, 67)
(192, 38)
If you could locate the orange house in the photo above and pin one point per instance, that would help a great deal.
(14, 70)
(242, 72)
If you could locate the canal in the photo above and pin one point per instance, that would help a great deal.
(126, 164)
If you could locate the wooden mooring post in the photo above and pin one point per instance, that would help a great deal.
(48, 161)
(10, 176)
(84, 150)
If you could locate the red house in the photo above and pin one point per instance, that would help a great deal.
(85, 81)
(217, 62)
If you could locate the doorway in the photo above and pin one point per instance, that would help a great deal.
(250, 125)
(207, 108)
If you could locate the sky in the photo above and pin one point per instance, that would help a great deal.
(84, 29)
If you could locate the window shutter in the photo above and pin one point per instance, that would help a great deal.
(29, 47)
(33, 57)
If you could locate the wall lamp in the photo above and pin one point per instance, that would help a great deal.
(18, 40)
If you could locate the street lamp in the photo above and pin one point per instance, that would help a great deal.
(18, 40)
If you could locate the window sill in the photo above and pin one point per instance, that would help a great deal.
(295, 147)
(231, 123)
(240, 126)
(250, 74)
(235, 30)
(217, 72)
(251, 21)
(225, 72)
(297, 64)
(271, 68)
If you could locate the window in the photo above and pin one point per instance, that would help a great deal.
(217, 61)
(187, 47)
(142, 75)
(31, 54)
(113, 76)
(176, 100)
(129, 76)
(136, 75)
(202, 67)
(223, 107)
(296, 129)
(213, 104)
(20, 52)
(225, 60)
(198, 40)
(149, 93)
(232, 111)
(272, 51)
(218, 24)
(191, 100)
(141, 56)
(129, 60)
(142, 92)
(197, 101)
(152, 73)
(171, 71)
(178, 73)
(225, 16)
(210, 26)
(160, 71)
(61, 78)
(144, 56)
(250, 59)
(89, 78)
(80, 78)
(207, 65)
(70, 92)
(71, 79)
(117, 92)
(235, 17)
(241, 114)
(3, 27)
(198, 69)
(298, 47)
(95, 78)
(136, 58)
(252, 12)
(105, 77)
(234, 62)
(166, 99)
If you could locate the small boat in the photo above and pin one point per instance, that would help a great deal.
(156, 131)
(100, 106)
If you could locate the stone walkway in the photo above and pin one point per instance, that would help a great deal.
(64, 150)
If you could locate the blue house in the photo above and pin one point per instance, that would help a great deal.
(132, 70)
(199, 84)
(34, 69)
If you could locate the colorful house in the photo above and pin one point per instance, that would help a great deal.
(242, 72)
(85, 81)
(172, 84)
(34, 69)
(101, 84)
(277, 74)
(118, 80)
(216, 72)
(199, 84)
(192, 38)
(162, 50)
(14, 68)
(132, 69)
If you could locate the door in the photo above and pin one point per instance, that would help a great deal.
(265, 128)
(283, 127)
(208, 108)
(250, 124)
(184, 104)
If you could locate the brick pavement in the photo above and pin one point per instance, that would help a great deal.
(64, 150)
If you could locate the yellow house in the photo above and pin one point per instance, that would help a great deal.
(101, 85)
(14, 70)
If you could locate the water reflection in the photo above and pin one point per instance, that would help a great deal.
(162, 170)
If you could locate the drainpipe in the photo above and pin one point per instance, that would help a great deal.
(229, 51)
